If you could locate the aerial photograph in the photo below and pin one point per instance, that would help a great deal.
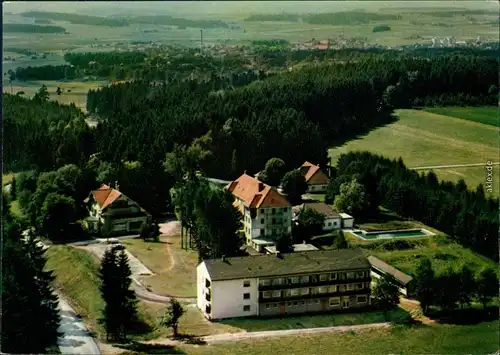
(250, 177)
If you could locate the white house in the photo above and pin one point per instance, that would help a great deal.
(332, 218)
(347, 220)
(280, 284)
(266, 213)
(109, 204)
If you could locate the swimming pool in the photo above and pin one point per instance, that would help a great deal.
(392, 234)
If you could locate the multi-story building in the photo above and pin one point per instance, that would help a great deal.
(266, 214)
(108, 205)
(271, 285)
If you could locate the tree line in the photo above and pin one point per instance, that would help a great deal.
(30, 317)
(76, 18)
(29, 28)
(467, 216)
(43, 134)
(453, 288)
(123, 22)
(335, 18)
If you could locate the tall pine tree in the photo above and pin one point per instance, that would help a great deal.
(120, 310)
(29, 308)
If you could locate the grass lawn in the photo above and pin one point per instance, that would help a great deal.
(486, 115)
(439, 339)
(76, 278)
(426, 139)
(76, 273)
(473, 175)
(176, 279)
(313, 321)
(441, 253)
(191, 323)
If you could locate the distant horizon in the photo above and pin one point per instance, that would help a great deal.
(198, 9)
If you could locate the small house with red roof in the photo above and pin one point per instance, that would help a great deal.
(108, 206)
(316, 179)
(266, 213)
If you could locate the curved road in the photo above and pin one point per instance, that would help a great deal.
(75, 339)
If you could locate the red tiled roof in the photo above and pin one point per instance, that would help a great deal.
(105, 195)
(310, 170)
(321, 46)
(256, 194)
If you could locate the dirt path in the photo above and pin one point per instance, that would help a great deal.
(413, 307)
(449, 166)
(244, 335)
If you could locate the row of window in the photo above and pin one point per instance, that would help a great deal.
(332, 302)
(315, 290)
(351, 275)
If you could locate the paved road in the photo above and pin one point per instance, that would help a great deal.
(75, 339)
(449, 166)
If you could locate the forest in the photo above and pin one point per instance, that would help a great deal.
(334, 18)
(122, 22)
(28, 28)
(468, 216)
(175, 21)
(348, 18)
(45, 72)
(76, 18)
(273, 17)
(194, 126)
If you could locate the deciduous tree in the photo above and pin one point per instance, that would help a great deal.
(172, 315)
(487, 286)
(294, 186)
(386, 293)
(425, 284)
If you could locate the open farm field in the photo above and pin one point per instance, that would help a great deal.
(72, 91)
(426, 139)
(409, 28)
(486, 115)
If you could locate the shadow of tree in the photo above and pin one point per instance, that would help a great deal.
(191, 339)
(150, 349)
(467, 316)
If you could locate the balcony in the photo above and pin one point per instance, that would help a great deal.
(312, 283)
(364, 291)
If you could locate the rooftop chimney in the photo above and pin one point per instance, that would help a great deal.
(261, 186)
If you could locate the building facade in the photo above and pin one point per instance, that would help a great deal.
(333, 220)
(108, 206)
(283, 284)
(316, 179)
(266, 214)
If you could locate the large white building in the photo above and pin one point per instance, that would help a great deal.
(266, 213)
(291, 283)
